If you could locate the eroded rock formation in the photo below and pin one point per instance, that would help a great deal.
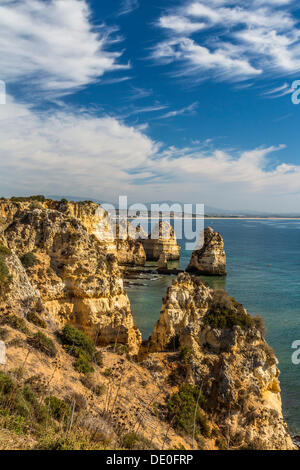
(75, 279)
(162, 240)
(229, 359)
(129, 249)
(209, 259)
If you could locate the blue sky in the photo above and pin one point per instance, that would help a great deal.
(159, 100)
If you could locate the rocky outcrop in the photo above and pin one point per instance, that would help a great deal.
(93, 217)
(162, 262)
(129, 249)
(75, 278)
(210, 258)
(162, 240)
(229, 359)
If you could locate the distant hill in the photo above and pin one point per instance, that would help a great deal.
(209, 210)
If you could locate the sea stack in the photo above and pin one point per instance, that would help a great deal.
(210, 259)
(130, 251)
(226, 355)
(162, 240)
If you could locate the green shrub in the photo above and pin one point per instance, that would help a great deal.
(20, 401)
(6, 384)
(77, 439)
(39, 198)
(181, 408)
(13, 422)
(29, 260)
(4, 251)
(83, 365)
(76, 338)
(79, 345)
(36, 319)
(16, 322)
(121, 349)
(5, 277)
(108, 372)
(226, 312)
(134, 441)
(38, 410)
(259, 322)
(185, 354)
(58, 409)
(98, 358)
(221, 443)
(43, 343)
(89, 382)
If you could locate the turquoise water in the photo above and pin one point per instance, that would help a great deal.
(263, 264)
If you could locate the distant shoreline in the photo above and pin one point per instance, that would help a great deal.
(252, 218)
(216, 218)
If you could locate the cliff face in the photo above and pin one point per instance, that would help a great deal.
(75, 278)
(210, 259)
(162, 240)
(229, 359)
(129, 249)
(95, 219)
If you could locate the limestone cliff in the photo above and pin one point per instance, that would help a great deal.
(229, 359)
(130, 250)
(210, 258)
(161, 240)
(95, 219)
(77, 281)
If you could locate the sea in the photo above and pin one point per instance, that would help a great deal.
(263, 266)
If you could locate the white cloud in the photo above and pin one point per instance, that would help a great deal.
(223, 62)
(128, 6)
(53, 46)
(178, 112)
(279, 91)
(240, 39)
(180, 24)
(66, 152)
(79, 154)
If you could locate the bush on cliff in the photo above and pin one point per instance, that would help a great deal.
(79, 345)
(38, 198)
(19, 401)
(5, 278)
(29, 260)
(74, 339)
(226, 312)
(36, 319)
(134, 441)
(58, 409)
(43, 343)
(185, 413)
(16, 322)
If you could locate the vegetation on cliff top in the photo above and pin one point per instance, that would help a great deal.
(5, 278)
(226, 312)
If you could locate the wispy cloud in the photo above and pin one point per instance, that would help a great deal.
(141, 110)
(187, 110)
(53, 46)
(137, 93)
(128, 6)
(279, 91)
(237, 42)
